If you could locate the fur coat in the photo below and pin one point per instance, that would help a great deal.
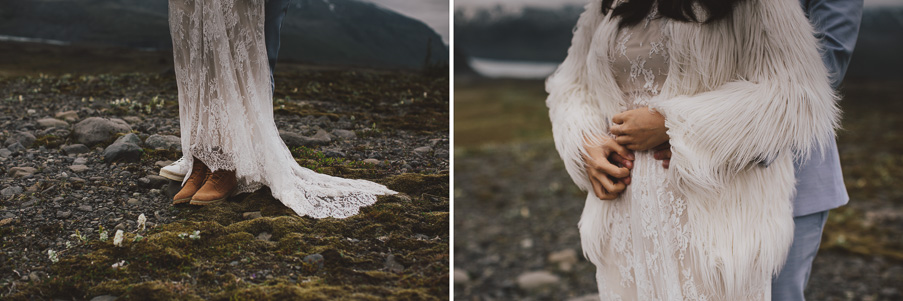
(740, 89)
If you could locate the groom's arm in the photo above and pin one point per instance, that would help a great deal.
(836, 24)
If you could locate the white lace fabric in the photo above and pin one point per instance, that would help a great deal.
(226, 109)
(644, 237)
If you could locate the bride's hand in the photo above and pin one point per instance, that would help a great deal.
(639, 129)
(608, 179)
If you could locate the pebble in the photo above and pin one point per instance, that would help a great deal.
(75, 149)
(314, 259)
(252, 215)
(16, 148)
(161, 142)
(63, 214)
(566, 259)
(152, 182)
(104, 298)
(372, 161)
(264, 236)
(344, 134)
(79, 168)
(234, 263)
(69, 116)
(5, 153)
(122, 152)
(423, 150)
(85, 208)
(132, 119)
(25, 138)
(461, 276)
(24, 171)
(52, 123)
(80, 161)
(392, 265)
(11, 191)
(537, 279)
(590, 297)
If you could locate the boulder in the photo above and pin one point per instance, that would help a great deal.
(95, 130)
(122, 152)
(24, 138)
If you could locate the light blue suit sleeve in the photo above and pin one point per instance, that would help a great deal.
(837, 25)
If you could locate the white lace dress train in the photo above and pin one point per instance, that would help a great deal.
(226, 109)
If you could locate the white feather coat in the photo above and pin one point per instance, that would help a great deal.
(744, 88)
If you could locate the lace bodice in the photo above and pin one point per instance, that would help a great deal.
(639, 60)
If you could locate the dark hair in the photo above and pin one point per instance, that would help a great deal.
(633, 11)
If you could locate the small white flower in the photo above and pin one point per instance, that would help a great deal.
(53, 256)
(141, 221)
(68, 244)
(104, 236)
(196, 235)
(119, 265)
(117, 239)
(183, 235)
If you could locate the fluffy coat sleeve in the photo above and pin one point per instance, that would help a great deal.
(575, 108)
(781, 101)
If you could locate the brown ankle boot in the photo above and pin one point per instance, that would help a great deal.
(218, 186)
(199, 173)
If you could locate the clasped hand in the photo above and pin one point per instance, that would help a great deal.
(609, 162)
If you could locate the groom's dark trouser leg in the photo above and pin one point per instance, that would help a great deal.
(791, 282)
(274, 12)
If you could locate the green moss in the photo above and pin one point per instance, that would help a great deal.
(49, 141)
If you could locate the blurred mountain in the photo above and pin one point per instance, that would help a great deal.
(331, 32)
(544, 34)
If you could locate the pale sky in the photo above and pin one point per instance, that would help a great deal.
(432, 12)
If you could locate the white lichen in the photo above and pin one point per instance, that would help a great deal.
(117, 239)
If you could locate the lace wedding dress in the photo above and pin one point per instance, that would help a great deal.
(646, 253)
(226, 109)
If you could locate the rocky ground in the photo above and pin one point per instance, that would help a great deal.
(516, 209)
(79, 161)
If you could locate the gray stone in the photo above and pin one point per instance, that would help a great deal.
(69, 116)
(80, 160)
(461, 277)
(152, 182)
(11, 191)
(322, 136)
(75, 149)
(78, 168)
(161, 142)
(441, 154)
(16, 148)
(314, 259)
(344, 134)
(52, 123)
(392, 265)
(566, 259)
(296, 140)
(133, 202)
(333, 153)
(537, 280)
(104, 298)
(63, 214)
(264, 236)
(251, 215)
(24, 138)
(128, 138)
(132, 119)
(18, 172)
(95, 130)
(423, 150)
(85, 208)
(122, 152)
(5, 153)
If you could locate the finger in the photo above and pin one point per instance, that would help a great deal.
(626, 180)
(666, 163)
(623, 139)
(621, 150)
(607, 168)
(613, 188)
(597, 188)
(618, 118)
(616, 129)
(622, 161)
